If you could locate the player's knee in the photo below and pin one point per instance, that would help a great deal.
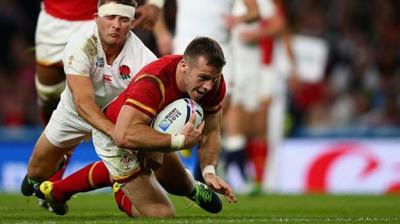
(49, 92)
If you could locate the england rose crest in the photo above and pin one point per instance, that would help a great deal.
(124, 72)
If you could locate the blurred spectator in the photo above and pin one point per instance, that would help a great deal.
(17, 63)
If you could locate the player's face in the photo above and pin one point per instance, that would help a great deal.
(200, 78)
(113, 29)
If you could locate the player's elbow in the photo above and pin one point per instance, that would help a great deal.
(123, 139)
(82, 106)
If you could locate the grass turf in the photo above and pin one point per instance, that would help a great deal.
(100, 208)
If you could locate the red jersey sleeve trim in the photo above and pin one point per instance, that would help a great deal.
(159, 82)
(135, 103)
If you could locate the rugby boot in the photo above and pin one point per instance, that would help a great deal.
(44, 191)
(27, 186)
(206, 198)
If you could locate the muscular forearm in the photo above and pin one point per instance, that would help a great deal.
(142, 138)
(132, 131)
(89, 111)
(209, 149)
(83, 95)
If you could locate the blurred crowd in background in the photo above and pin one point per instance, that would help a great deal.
(359, 93)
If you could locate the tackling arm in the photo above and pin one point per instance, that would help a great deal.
(83, 95)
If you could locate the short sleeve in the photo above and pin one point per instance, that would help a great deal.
(75, 58)
(145, 95)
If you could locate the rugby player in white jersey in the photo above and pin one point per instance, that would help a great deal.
(57, 22)
(99, 62)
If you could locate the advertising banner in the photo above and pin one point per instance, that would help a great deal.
(339, 166)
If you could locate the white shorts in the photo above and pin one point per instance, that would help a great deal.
(52, 34)
(246, 70)
(121, 163)
(66, 129)
(269, 82)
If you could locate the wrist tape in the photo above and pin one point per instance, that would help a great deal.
(177, 141)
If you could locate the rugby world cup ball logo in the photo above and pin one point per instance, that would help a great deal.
(170, 118)
(164, 124)
(124, 72)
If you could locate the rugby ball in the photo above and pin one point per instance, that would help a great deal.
(173, 117)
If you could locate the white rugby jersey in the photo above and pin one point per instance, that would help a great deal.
(85, 56)
(201, 18)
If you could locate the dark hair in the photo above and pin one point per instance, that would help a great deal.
(207, 48)
(123, 2)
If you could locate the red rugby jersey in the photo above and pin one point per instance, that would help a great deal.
(154, 87)
(72, 10)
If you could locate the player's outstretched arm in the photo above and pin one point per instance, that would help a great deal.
(209, 151)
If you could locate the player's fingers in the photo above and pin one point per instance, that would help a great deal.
(217, 186)
(201, 126)
(192, 118)
(227, 191)
(189, 126)
(230, 197)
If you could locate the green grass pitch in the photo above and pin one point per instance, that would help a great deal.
(100, 208)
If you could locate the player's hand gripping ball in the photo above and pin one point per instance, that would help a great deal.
(172, 118)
